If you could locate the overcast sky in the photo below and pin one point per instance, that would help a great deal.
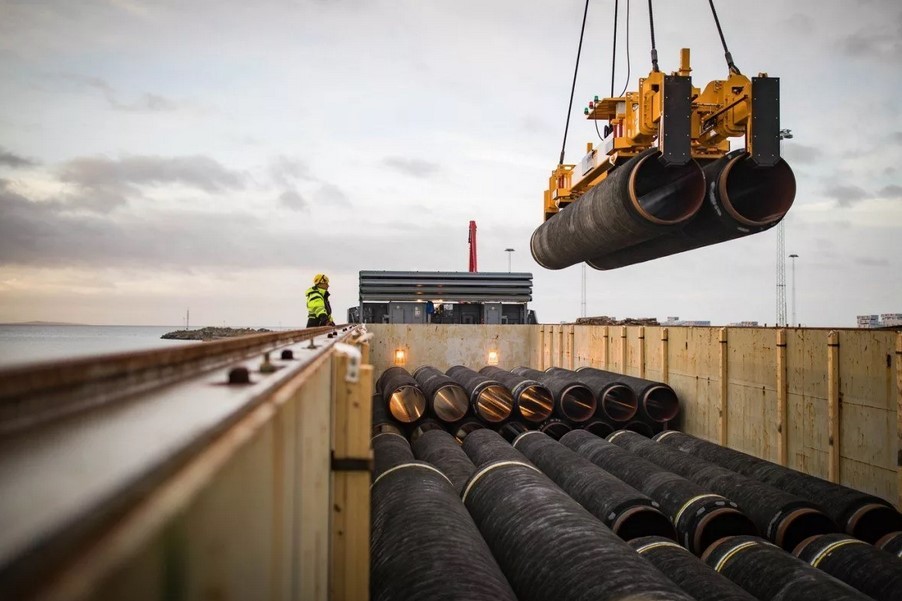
(156, 156)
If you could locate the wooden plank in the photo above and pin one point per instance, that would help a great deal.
(665, 356)
(352, 397)
(623, 350)
(571, 346)
(606, 349)
(782, 399)
(899, 417)
(722, 416)
(560, 346)
(833, 407)
(540, 365)
(641, 351)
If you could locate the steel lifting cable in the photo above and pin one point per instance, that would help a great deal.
(573, 86)
(726, 51)
(654, 50)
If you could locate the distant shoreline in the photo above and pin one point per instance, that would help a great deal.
(212, 333)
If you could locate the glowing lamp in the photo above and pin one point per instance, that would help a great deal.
(493, 358)
(400, 357)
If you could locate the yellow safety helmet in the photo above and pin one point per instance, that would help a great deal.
(320, 278)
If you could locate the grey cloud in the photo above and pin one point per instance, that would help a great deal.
(846, 196)
(871, 262)
(896, 137)
(9, 159)
(332, 194)
(881, 43)
(800, 153)
(800, 23)
(284, 171)
(412, 167)
(293, 200)
(46, 234)
(103, 183)
(147, 102)
(893, 191)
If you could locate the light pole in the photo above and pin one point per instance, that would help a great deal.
(508, 251)
(785, 134)
(794, 256)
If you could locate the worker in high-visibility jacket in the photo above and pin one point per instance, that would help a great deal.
(319, 311)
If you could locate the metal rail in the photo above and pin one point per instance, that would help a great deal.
(84, 443)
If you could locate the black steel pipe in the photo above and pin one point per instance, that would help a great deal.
(768, 572)
(699, 515)
(640, 427)
(891, 543)
(489, 398)
(741, 199)
(533, 399)
(690, 574)
(426, 424)
(486, 446)
(862, 515)
(382, 421)
(657, 400)
(389, 450)
(464, 427)
(443, 451)
(617, 402)
(448, 401)
(783, 518)
(637, 201)
(549, 546)
(511, 430)
(855, 562)
(424, 544)
(622, 508)
(598, 427)
(401, 393)
(573, 400)
(555, 428)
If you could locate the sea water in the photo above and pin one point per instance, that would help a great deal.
(30, 343)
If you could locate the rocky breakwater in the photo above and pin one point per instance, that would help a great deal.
(212, 333)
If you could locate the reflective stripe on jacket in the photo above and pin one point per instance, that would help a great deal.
(318, 303)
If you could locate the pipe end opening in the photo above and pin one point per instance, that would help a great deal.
(407, 404)
(720, 523)
(871, 522)
(536, 403)
(450, 403)
(620, 403)
(637, 522)
(802, 524)
(578, 403)
(757, 196)
(494, 403)
(661, 404)
(667, 195)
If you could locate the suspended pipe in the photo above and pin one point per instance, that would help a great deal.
(424, 544)
(489, 398)
(616, 401)
(573, 400)
(448, 401)
(443, 451)
(622, 508)
(534, 402)
(382, 421)
(549, 546)
(555, 428)
(402, 395)
(782, 517)
(637, 201)
(862, 515)
(685, 569)
(699, 515)
(741, 199)
(891, 543)
(855, 562)
(768, 572)
(657, 400)
(464, 427)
